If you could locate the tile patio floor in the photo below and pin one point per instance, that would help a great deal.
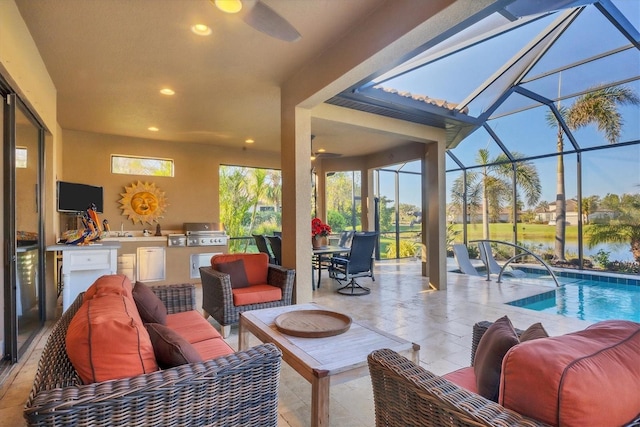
(401, 303)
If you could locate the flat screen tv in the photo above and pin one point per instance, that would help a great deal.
(74, 197)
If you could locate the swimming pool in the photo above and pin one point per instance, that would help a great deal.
(595, 298)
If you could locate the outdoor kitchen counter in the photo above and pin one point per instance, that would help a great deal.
(181, 262)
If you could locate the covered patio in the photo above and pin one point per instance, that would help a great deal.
(401, 303)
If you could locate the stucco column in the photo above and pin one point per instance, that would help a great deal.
(296, 197)
(434, 259)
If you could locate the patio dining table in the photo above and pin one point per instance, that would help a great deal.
(325, 252)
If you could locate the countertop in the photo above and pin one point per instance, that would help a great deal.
(94, 246)
(135, 239)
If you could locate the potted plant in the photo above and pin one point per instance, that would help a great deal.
(319, 232)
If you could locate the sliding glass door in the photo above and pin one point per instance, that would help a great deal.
(23, 227)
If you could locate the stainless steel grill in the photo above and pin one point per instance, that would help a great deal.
(205, 234)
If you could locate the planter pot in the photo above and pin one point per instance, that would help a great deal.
(319, 241)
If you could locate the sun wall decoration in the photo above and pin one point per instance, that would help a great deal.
(143, 202)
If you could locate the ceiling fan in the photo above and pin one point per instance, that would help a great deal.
(321, 153)
(261, 17)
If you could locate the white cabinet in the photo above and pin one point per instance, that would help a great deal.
(200, 260)
(82, 265)
(127, 266)
(150, 264)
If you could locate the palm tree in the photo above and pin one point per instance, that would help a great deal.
(599, 107)
(589, 206)
(492, 184)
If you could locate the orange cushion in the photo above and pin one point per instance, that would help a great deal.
(589, 377)
(465, 378)
(106, 340)
(191, 326)
(256, 294)
(115, 284)
(256, 266)
(210, 349)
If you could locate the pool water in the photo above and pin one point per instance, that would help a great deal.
(588, 299)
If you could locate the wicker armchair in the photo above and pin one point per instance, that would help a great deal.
(217, 295)
(408, 395)
(238, 389)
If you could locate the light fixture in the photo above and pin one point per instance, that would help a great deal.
(201, 29)
(167, 91)
(312, 157)
(153, 129)
(321, 150)
(228, 6)
(249, 141)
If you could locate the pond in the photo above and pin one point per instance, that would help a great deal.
(616, 252)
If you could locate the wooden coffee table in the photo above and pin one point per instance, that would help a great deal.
(322, 361)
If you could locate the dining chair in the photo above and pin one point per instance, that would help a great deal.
(276, 248)
(345, 239)
(359, 263)
(261, 243)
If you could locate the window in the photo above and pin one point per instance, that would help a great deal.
(135, 165)
(21, 157)
(250, 203)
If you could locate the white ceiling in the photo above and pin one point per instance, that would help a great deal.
(109, 59)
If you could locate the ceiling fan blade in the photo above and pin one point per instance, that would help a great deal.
(266, 20)
(327, 155)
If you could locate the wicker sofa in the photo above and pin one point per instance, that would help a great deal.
(408, 395)
(237, 389)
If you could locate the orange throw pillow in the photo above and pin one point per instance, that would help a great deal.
(106, 340)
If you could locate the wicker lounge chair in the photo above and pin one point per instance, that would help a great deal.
(238, 389)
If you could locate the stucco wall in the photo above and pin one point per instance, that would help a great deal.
(192, 194)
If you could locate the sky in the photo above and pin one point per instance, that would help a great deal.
(603, 171)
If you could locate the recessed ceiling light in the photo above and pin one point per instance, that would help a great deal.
(167, 91)
(153, 129)
(201, 29)
(228, 6)
(249, 141)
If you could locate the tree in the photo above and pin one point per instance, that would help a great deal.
(342, 190)
(386, 213)
(599, 107)
(624, 229)
(492, 185)
(589, 206)
(274, 189)
(235, 200)
(242, 190)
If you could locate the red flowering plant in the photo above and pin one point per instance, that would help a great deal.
(319, 228)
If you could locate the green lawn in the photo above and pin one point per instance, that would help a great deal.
(541, 232)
